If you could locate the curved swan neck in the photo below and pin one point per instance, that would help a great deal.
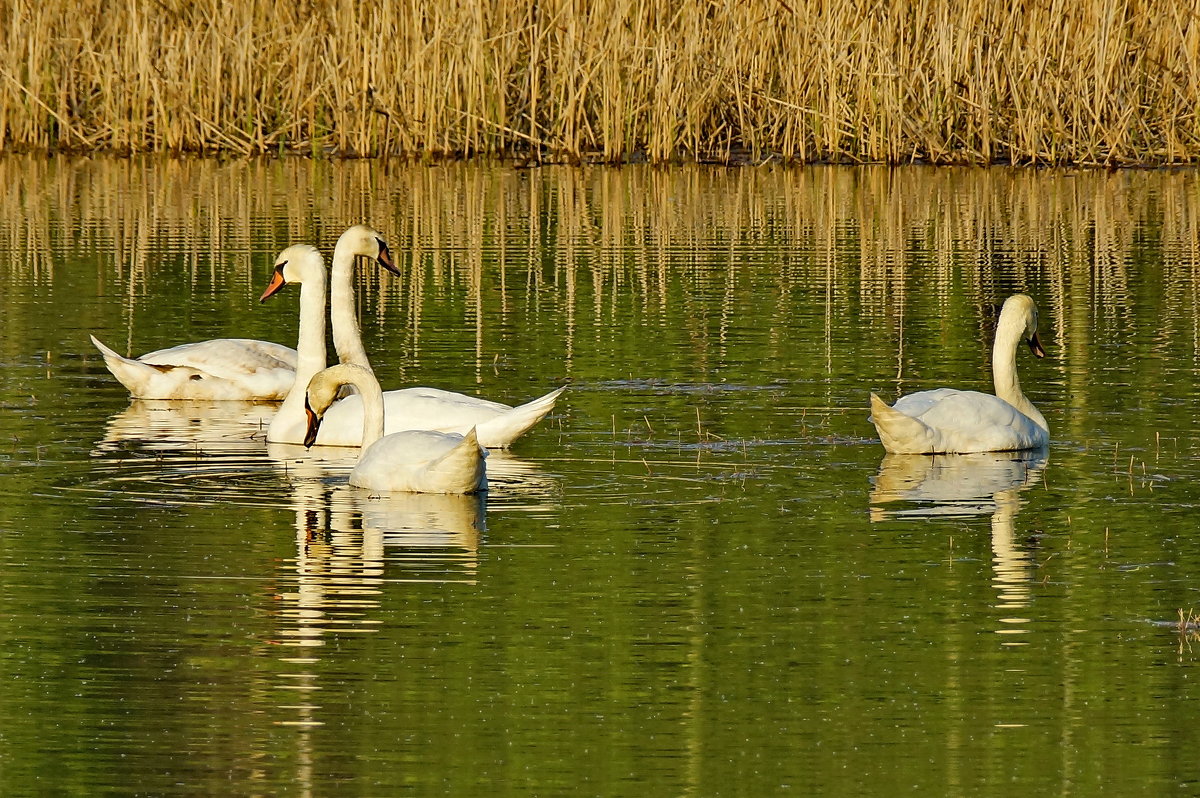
(363, 380)
(1004, 368)
(372, 399)
(347, 339)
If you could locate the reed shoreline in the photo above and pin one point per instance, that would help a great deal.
(1088, 83)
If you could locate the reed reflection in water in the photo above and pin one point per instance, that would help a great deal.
(606, 249)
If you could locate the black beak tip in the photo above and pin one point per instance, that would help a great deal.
(312, 426)
(385, 258)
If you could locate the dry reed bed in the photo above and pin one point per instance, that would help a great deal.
(980, 81)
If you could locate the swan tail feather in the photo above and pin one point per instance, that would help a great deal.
(464, 464)
(133, 374)
(500, 432)
(899, 433)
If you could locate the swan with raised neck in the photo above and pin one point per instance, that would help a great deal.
(301, 264)
(497, 425)
(356, 240)
(949, 420)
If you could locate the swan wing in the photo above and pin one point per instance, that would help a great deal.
(970, 421)
(498, 425)
(224, 369)
(422, 461)
(225, 356)
(920, 403)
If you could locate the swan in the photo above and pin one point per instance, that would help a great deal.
(240, 368)
(413, 461)
(301, 264)
(946, 420)
(497, 425)
(221, 368)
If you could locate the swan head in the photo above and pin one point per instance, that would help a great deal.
(299, 263)
(325, 388)
(1020, 309)
(368, 242)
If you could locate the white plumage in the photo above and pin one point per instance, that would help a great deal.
(415, 461)
(949, 420)
(221, 368)
(497, 425)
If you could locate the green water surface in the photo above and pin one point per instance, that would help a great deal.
(698, 576)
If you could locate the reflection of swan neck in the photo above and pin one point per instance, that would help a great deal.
(1008, 502)
(1004, 367)
(347, 339)
(1011, 563)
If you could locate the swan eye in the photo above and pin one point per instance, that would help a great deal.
(195, 377)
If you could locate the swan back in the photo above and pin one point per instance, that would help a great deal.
(422, 461)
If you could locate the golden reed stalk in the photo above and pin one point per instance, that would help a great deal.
(979, 81)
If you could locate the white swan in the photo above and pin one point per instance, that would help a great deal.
(301, 264)
(414, 461)
(241, 368)
(952, 421)
(221, 368)
(497, 425)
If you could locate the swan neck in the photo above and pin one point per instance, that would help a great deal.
(310, 341)
(347, 339)
(372, 399)
(310, 355)
(1004, 372)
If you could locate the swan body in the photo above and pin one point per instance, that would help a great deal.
(497, 425)
(221, 368)
(946, 420)
(414, 461)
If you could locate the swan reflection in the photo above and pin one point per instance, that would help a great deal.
(964, 485)
(351, 541)
(350, 545)
(163, 425)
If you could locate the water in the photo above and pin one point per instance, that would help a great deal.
(699, 576)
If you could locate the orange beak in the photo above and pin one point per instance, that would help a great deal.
(277, 282)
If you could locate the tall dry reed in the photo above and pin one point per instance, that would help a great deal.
(982, 81)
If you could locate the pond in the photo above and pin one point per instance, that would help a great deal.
(699, 575)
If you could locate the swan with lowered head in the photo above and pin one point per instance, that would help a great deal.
(497, 425)
(413, 461)
(953, 421)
